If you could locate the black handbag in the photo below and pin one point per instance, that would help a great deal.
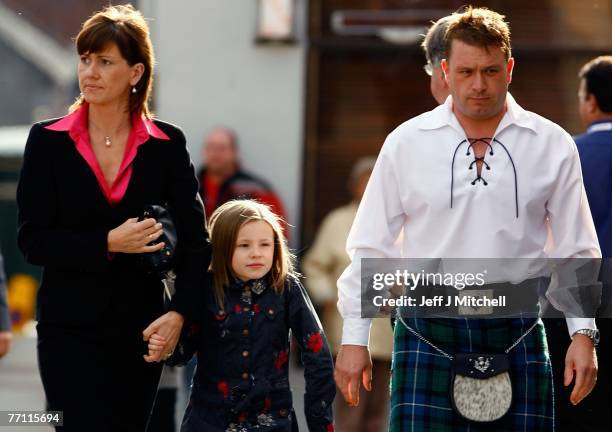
(161, 261)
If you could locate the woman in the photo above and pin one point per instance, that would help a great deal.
(85, 179)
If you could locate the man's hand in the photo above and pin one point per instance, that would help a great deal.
(353, 366)
(168, 326)
(133, 236)
(580, 360)
(6, 338)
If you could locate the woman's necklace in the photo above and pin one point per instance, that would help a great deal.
(108, 142)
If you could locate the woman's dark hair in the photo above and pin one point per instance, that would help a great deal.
(125, 27)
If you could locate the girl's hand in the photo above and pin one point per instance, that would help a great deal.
(168, 326)
(133, 236)
(156, 345)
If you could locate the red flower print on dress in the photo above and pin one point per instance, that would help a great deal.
(315, 342)
(223, 389)
(330, 428)
(281, 359)
(237, 308)
(267, 404)
(242, 417)
(220, 316)
(256, 308)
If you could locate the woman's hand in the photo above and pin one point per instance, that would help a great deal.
(133, 236)
(168, 326)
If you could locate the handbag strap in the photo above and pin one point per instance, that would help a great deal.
(449, 356)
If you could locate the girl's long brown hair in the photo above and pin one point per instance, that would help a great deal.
(225, 223)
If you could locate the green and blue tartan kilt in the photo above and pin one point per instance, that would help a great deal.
(420, 376)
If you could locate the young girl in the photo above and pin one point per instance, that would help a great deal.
(242, 335)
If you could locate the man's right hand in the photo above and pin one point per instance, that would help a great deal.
(353, 367)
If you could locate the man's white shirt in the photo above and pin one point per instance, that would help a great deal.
(534, 170)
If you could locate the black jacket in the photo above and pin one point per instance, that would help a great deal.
(242, 379)
(64, 220)
(241, 185)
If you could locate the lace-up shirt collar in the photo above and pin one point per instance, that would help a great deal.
(443, 116)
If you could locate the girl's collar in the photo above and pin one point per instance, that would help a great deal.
(255, 285)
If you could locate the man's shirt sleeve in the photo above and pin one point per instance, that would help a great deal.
(377, 225)
(571, 223)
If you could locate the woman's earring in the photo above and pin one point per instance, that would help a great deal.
(134, 89)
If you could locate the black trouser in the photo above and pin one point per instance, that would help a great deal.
(97, 376)
(162, 418)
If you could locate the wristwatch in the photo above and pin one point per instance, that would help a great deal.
(590, 333)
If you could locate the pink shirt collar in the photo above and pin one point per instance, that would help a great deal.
(75, 124)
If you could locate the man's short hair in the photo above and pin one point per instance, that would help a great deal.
(597, 75)
(478, 27)
(433, 43)
(231, 133)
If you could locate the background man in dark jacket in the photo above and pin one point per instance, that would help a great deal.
(222, 179)
(595, 149)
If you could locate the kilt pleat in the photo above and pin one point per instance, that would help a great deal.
(420, 377)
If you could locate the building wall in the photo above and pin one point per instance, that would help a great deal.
(360, 87)
(210, 71)
(23, 88)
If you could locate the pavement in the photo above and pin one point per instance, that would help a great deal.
(21, 389)
(20, 386)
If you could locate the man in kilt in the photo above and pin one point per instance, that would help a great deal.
(516, 191)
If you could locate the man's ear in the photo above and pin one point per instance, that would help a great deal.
(510, 68)
(591, 103)
(445, 69)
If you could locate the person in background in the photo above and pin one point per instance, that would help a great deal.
(322, 266)
(595, 150)
(222, 179)
(85, 180)
(433, 47)
(595, 145)
(6, 337)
